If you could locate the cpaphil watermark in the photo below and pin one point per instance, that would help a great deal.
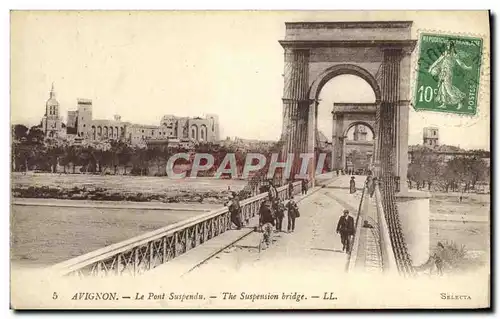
(253, 163)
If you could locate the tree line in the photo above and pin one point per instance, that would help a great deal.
(32, 151)
(461, 173)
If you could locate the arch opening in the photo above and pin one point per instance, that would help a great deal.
(359, 147)
(348, 137)
(359, 131)
(344, 69)
(345, 88)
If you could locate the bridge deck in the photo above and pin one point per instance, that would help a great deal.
(368, 255)
(313, 247)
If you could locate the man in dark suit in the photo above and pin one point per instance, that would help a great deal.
(290, 189)
(235, 210)
(293, 212)
(345, 227)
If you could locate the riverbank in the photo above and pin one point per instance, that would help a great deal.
(124, 188)
(199, 207)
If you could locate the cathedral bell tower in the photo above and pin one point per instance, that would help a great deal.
(51, 122)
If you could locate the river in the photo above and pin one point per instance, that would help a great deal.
(45, 235)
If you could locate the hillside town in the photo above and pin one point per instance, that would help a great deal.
(82, 127)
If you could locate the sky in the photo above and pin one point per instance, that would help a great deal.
(143, 65)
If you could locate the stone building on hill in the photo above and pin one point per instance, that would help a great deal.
(81, 126)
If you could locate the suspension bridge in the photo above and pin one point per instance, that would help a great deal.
(392, 226)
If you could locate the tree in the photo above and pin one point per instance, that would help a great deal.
(54, 150)
(19, 132)
(425, 167)
(433, 168)
(138, 159)
(125, 155)
(22, 156)
(35, 135)
(113, 153)
(476, 171)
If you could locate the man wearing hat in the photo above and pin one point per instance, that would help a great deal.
(345, 227)
(235, 210)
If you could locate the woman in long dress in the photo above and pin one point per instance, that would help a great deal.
(352, 185)
(447, 94)
(370, 186)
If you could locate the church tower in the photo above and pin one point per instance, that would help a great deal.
(51, 122)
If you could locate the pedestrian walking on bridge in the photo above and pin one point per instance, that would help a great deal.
(273, 191)
(352, 185)
(290, 189)
(345, 227)
(304, 186)
(370, 185)
(293, 213)
(235, 210)
(279, 209)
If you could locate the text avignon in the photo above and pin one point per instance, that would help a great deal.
(95, 296)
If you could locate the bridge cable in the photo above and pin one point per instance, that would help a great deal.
(385, 118)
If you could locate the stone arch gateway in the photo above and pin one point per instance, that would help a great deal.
(345, 116)
(315, 52)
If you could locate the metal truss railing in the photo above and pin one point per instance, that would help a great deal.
(145, 252)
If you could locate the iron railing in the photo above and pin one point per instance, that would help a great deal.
(147, 251)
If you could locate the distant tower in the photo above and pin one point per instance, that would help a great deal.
(431, 136)
(51, 122)
(359, 133)
(84, 119)
(213, 129)
(362, 132)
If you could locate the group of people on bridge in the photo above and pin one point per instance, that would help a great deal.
(272, 211)
(369, 184)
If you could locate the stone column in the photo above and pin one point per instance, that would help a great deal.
(311, 138)
(295, 104)
(375, 165)
(338, 141)
(403, 118)
(342, 152)
(413, 207)
(334, 142)
(390, 99)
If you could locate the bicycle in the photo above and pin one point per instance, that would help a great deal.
(264, 240)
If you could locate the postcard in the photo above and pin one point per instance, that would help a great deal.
(250, 160)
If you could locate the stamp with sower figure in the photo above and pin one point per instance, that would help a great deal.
(449, 69)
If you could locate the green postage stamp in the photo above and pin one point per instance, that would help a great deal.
(449, 69)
